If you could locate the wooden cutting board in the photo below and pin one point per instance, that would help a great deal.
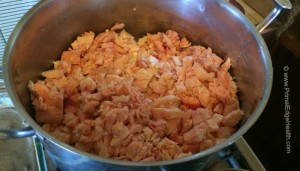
(263, 7)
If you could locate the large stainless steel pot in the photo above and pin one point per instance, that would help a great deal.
(52, 25)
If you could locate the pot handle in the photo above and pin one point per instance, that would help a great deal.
(16, 133)
(279, 6)
(7, 109)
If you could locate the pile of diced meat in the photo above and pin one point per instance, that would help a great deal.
(157, 98)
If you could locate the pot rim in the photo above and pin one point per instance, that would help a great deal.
(47, 137)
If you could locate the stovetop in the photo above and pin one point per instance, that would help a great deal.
(273, 143)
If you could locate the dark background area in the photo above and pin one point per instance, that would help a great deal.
(267, 137)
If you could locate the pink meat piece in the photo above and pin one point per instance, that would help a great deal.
(232, 118)
(48, 103)
(136, 151)
(212, 125)
(168, 149)
(166, 113)
(195, 135)
(224, 132)
(166, 101)
(110, 119)
(160, 126)
(119, 132)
